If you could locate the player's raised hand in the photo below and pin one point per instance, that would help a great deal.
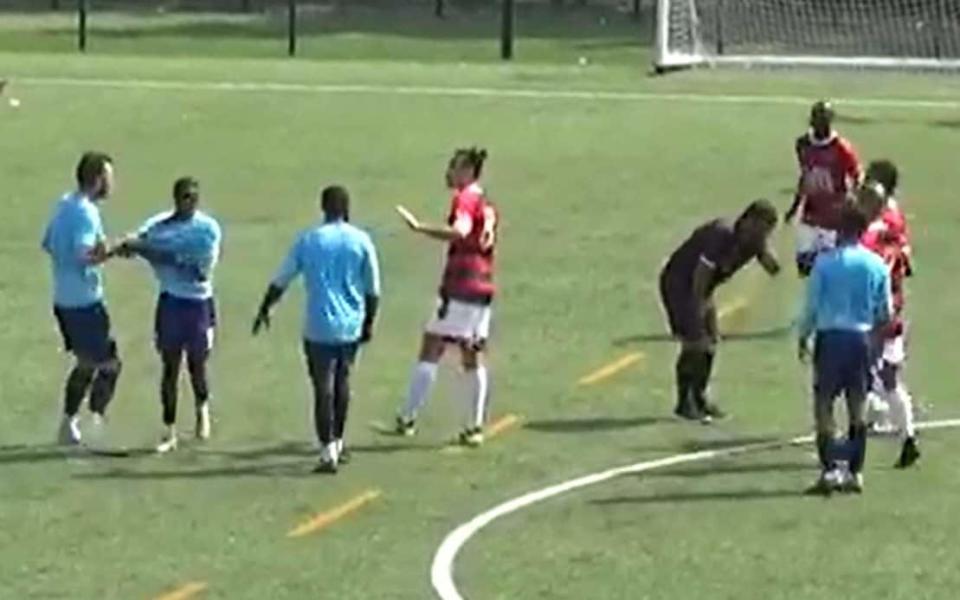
(408, 217)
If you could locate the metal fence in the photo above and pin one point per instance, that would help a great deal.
(584, 25)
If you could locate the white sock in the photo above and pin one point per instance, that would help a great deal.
(474, 389)
(901, 409)
(339, 444)
(329, 452)
(424, 374)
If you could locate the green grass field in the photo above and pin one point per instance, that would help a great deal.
(594, 192)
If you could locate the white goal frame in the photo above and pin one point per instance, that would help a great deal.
(697, 53)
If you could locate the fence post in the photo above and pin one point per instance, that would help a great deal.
(54, 4)
(719, 27)
(245, 5)
(438, 9)
(942, 17)
(82, 25)
(506, 31)
(292, 27)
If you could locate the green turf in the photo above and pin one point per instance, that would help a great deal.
(593, 194)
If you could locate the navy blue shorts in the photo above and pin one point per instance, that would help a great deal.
(86, 332)
(842, 364)
(184, 324)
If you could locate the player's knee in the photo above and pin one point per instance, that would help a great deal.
(111, 368)
(470, 359)
(431, 349)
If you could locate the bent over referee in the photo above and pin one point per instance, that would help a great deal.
(342, 280)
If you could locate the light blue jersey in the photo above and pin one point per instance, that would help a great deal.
(193, 243)
(849, 290)
(72, 232)
(339, 266)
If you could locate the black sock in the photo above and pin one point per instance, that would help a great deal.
(703, 366)
(78, 384)
(341, 399)
(825, 451)
(104, 385)
(858, 447)
(169, 381)
(685, 370)
(197, 366)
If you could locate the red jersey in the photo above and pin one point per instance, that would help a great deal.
(828, 171)
(887, 236)
(468, 275)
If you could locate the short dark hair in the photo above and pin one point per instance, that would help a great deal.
(91, 166)
(853, 222)
(885, 172)
(183, 185)
(474, 157)
(822, 107)
(760, 210)
(335, 202)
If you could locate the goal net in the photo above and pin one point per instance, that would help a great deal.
(909, 34)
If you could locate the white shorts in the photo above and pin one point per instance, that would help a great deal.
(813, 240)
(461, 321)
(895, 350)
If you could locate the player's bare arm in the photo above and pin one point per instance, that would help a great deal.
(100, 253)
(796, 204)
(443, 233)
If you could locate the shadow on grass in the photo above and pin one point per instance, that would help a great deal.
(592, 424)
(946, 123)
(722, 444)
(773, 333)
(300, 468)
(306, 450)
(738, 495)
(708, 471)
(25, 454)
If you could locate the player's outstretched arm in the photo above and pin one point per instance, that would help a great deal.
(443, 233)
(273, 295)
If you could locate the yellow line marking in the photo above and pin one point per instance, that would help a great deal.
(612, 369)
(187, 590)
(328, 517)
(501, 425)
(734, 307)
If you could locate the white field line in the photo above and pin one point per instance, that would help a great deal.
(441, 572)
(479, 92)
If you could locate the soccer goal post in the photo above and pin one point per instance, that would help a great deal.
(905, 34)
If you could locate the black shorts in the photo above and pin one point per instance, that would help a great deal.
(184, 324)
(686, 322)
(86, 332)
(842, 362)
(326, 360)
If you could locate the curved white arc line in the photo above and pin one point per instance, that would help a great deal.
(441, 571)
